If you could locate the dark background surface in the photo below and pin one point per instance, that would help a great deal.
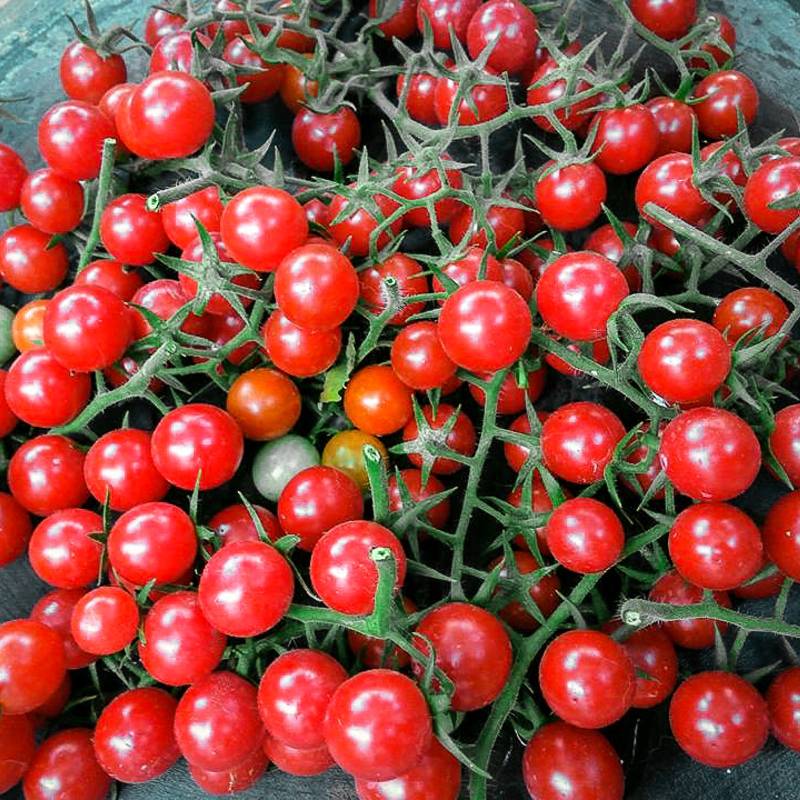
(32, 36)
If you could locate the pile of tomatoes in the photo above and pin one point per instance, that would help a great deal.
(281, 446)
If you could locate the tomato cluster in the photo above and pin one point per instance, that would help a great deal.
(349, 524)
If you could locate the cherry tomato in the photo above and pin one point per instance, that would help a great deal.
(236, 779)
(8, 421)
(164, 298)
(343, 573)
(480, 103)
(626, 139)
(133, 739)
(482, 312)
(175, 51)
(153, 541)
(264, 403)
(409, 281)
(377, 401)
(517, 277)
(727, 33)
(15, 529)
(542, 92)
(578, 441)
(28, 325)
(321, 140)
(298, 351)
(13, 173)
(160, 23)
(297, 762)
(465, 639)
(222, 329)
(517, 454)
(694, 634)
(216, 723)
(345, 452)
(763, 588)
(578, 293)
(562, 762)
(55, 610)
(783, 702)
(709, 454)
(33, 662)
(177, 217)
(781, 532)
(361, 224)
(261, 225)
(750, 310)
(297, 88)
(784, 442)
(294, 693)
(71, 136)
(719, 719)
(231, 28)
(418, 358)
(722, 97)
(446, 430)
(772, 181)
(278, 461)
(715, 546)
(669, 19)
(17, 748)
(111, 275)
(587, 678)
(65, 766)
(414, 184)
(401, 23)
(314, 501)
(668, 182)
(653, 655)
(105, 620)
(505, 223)
(51, 202)
(197, 444)
(234, 524)
(246, 588)
(293, 39)
(28, 264)
(374, 653)
(442, 15)
(684, 361)
(260, 85)
(572, 196)
(131, 233)
(508, 25)
(179, 646)
(729, 166)
(377, 725)
(316, 287)
(43, 393)
(597, 350)
(87, 75)
(419, 97)
(585, 535)
(477, 264)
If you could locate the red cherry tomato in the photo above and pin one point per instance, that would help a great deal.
(723, 96)
(418, 357)
(442, 432)
(411, 479)
(164, 298)
(292, 761)
(781, 532)
(669, 19)
(544, 92)
(160, 23)
(772, 181)
(668, 182)
(626, 139)
(105, 620)
(401, 23)
(752, 311)
(572, 196)
(505, 223)
(236, 779)
(131, 233)
(419, 97)
(360, 226)
(482, 102)
(15, 529)
(205, 206)
(261, 85)
(111, 275)
(17, 748)
(13, 173)
(28, 264)
(477, 264)
(55, 610)
(784, 442)
(8, 420)
(51, 202)
(87, 75)
(510, 27)
(442, 15)
(653, 655)
(297, 351)
(322, 140)
(264, 403)
(783, 702)
(727, 33)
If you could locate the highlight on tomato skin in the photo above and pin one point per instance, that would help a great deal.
(315, 443)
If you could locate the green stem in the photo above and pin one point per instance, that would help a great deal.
(100, 201)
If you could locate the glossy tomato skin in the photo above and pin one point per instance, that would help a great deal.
(412, 481)
(587, 678)
(27, 264)
(164, 297)
(684, 361)
(413, 184)
(727, 33)
(65, 766)
(578, 441)
(419, 97)
(86, 75)
(781, 532)
(234, 524)
(55, 610)
(133, 739)
(8, 420)
(278, 461)
(511, 397)
(296, 88)
(543, 92)
(342, 572)
(217, 725)
(51, 202)
(246, 588)
(205, 205)
(71, 136)
(504, 222)
(441, 431)
(261, 85)
(668, 182)
(87, 328)
(783, 702)
(236, 779)
(345, 452)
(748, 311)
(160, 23)
(120, 465)
(626, 139)
(13, 173)
(292, 761)
(481, 312)
(489, 100)
(180, 647)
(17, 748)
(719, 719)
(438, 772)
(571, 197)
(377, 401)
(131, 233)
(28, 324)
(652, 653)
(105, 620)
(297, 351)
(33, 662)
(315, 500)
(62, 551)
(715, 546)
(261, 225)
(111, 275)
(442, 15)
(585, 535)
(377, 725)
(669, 19)
(409, 280)
(477, 264)
(319, 140)
(511, 27)
(197, 444)
(265, 404)
(418, 358)
(361, 224)
(693, 634)
(784, 442)
(41, 392)
(562, 762)
(726, 94)
(772, 181)
(316, 287)
(294, 694)
(465, 640)
(153, 541)
(401, 24)
(46, 475)
(709, 454)
(578, 293)
(15, 529)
